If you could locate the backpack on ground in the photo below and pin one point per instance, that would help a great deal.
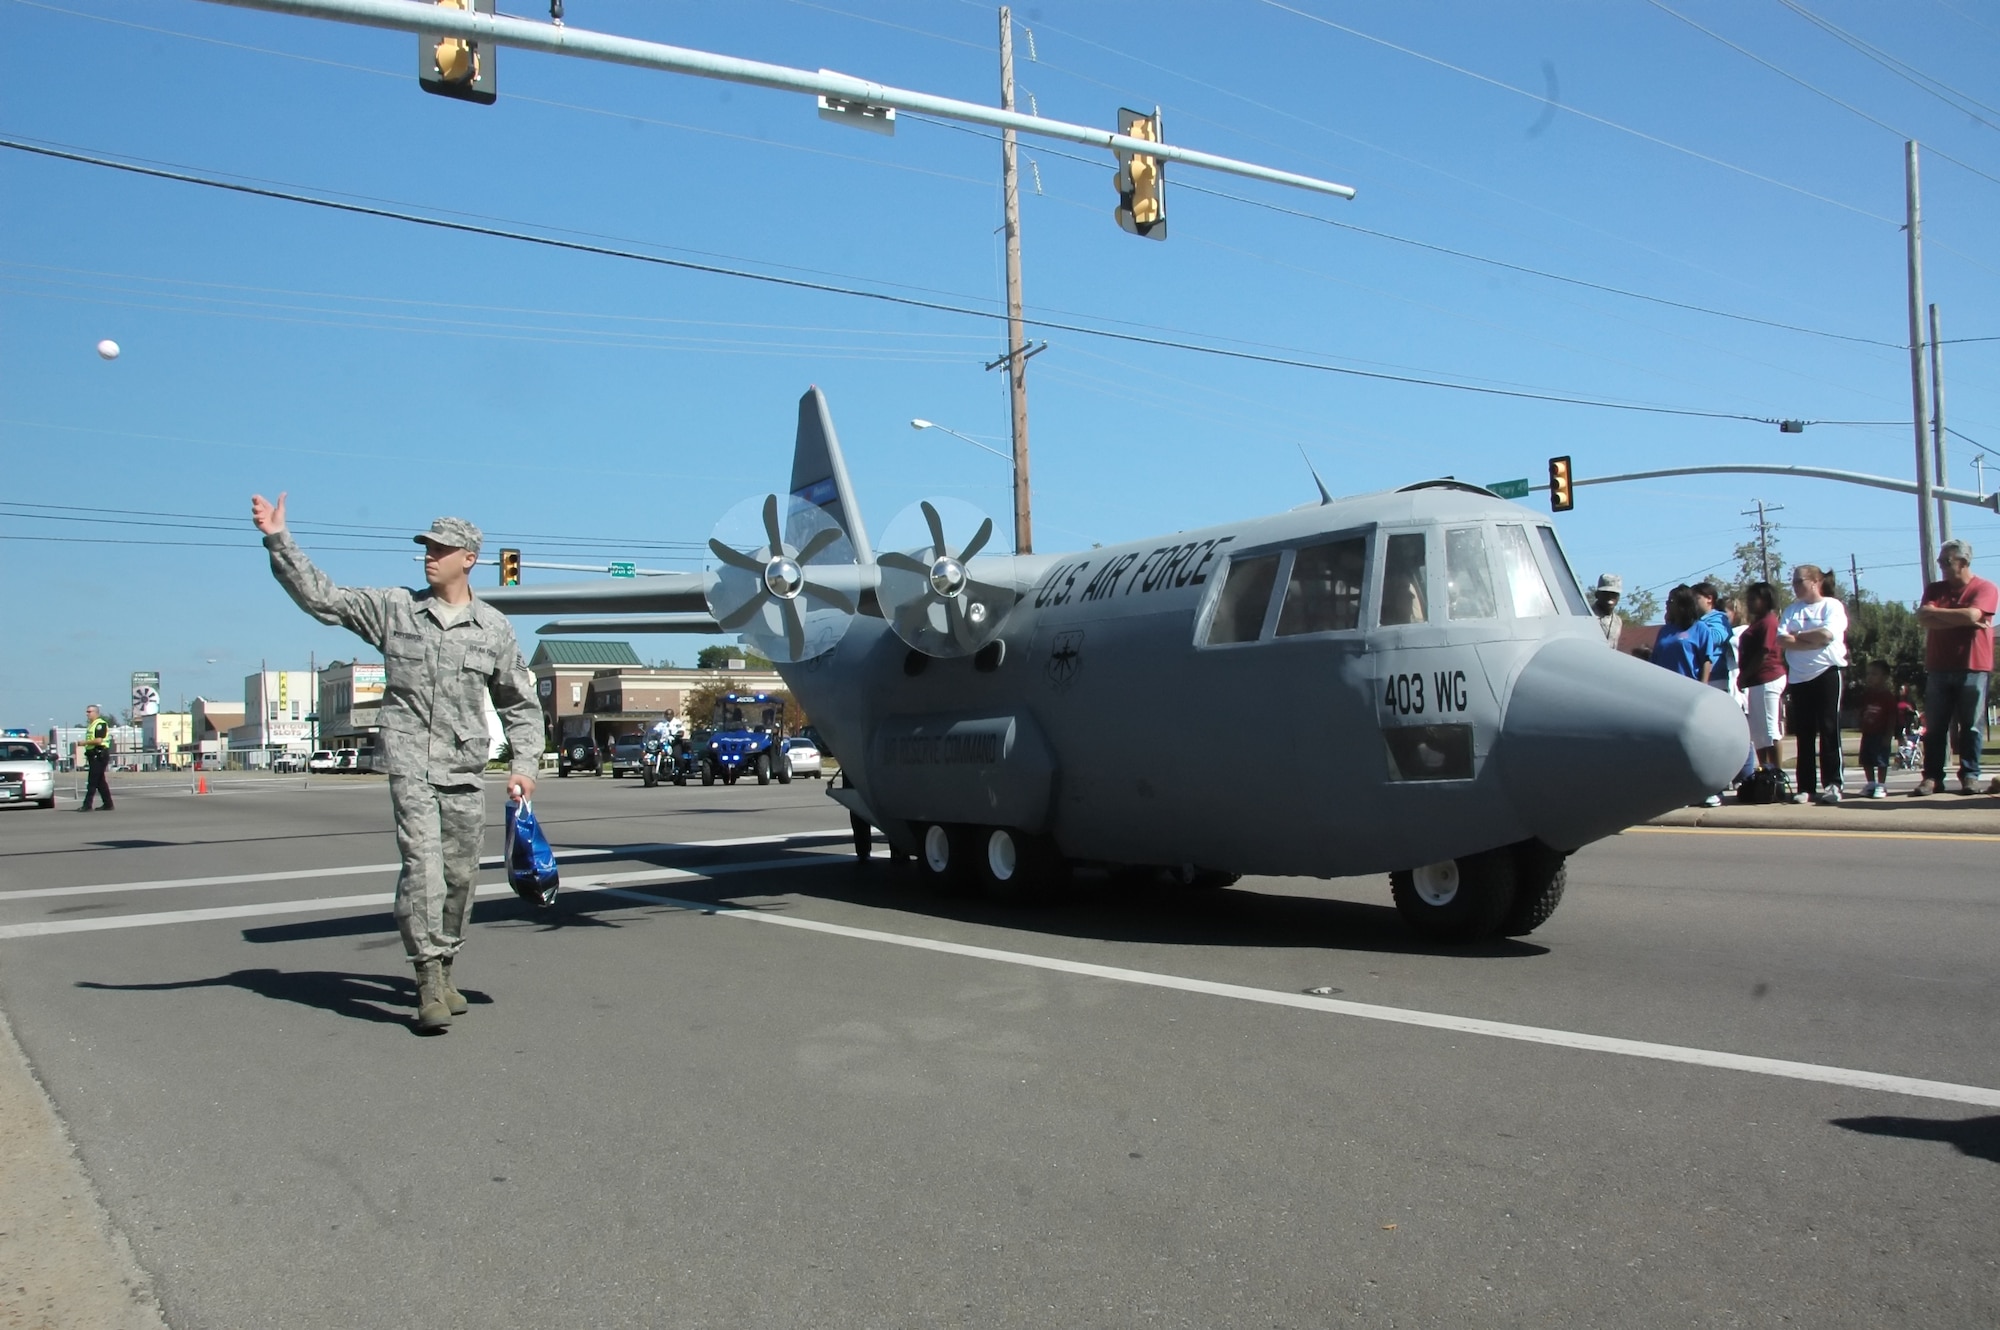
(1766, 785)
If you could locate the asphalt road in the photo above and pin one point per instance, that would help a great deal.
(755, 1085)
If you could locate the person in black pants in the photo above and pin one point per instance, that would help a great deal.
(1813, 632)
(96, 752)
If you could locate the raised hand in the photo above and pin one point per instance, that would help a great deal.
(268, 517)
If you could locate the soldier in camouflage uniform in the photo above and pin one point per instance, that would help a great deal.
(444, 652)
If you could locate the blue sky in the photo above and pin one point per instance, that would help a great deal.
(594, 407)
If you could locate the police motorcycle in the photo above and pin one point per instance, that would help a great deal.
(653, 760)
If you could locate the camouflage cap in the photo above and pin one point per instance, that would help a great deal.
(453, 531)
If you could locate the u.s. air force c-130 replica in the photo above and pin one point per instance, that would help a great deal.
(1420, 687)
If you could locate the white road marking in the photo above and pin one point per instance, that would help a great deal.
(563, 855)
(606, 883)
(610, 884)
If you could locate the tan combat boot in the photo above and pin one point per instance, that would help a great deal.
(454, 1000)
(432, 1013)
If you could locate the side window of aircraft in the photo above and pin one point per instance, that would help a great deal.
(1324, 594)
(1405, 571)
(1524, 577)
(1565, 575)
(1468, 578)
(1245, 597)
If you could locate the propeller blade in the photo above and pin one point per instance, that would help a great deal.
(961, 629)
(937, 529)
(771, 525)
(735, 558)
(901, 562)
(795, 628)
(820, 540)
(743, 613)
(979, 539)
(836, 599)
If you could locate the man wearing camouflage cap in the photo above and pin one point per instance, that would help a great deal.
(444, 653)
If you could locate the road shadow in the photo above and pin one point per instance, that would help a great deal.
(374, 998)
(1976, 1137)
(577, 909)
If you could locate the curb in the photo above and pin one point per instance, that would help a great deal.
(1942, 814)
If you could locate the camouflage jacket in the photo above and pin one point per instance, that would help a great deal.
(438, 676)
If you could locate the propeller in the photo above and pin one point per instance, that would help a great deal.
(932, 596)
(772, 585)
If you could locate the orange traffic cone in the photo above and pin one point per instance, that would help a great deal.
(202, 786)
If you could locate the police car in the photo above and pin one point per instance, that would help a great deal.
(26, 774)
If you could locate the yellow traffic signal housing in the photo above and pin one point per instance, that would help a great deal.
(1562, 492)
(510, 567)
(1141, 181)
(453, 66)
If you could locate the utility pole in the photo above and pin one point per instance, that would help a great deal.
(1938, 449)
(1914, 232)
(1017, 340)
(1853, 581)
(1763, 510)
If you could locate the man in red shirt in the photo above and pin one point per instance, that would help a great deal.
(1957, 615)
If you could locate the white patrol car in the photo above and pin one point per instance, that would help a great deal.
(26, 774)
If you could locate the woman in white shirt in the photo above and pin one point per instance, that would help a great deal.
(1813, 633)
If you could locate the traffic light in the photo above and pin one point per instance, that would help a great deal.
(1562, 495)
(1141, 181)
(510, 567)
(456, 66)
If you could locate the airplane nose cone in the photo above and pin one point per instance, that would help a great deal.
(1595, 741)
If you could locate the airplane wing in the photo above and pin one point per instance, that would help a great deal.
(638, 623)
(668, 593)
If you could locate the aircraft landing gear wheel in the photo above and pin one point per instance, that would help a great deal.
(1458, 900)
(1014, 867)
(944, 855)
(864, 840)
(1540, 874)
(763, 768)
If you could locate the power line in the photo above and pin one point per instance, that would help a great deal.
(1901, 69)
(1580, 113)
(794, 283)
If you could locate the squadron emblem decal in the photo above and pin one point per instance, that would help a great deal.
(1065, 659)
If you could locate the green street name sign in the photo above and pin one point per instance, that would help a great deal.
(1510, 489)
(623, 569)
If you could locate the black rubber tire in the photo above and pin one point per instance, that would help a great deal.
(1038, 871)
(1474, 910)
(707, 774)
(784, 770)
(944, 857)
(650, 779)
(1540, 876)
(763, 768)
(45, 803)
(680, 778)
(563, 772)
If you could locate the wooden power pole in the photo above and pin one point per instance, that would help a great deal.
(1016, 361)
(1914, 224)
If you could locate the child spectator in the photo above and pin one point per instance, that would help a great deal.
(1881, 717)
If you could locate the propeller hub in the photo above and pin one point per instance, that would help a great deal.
(948, 577)
(783, 578)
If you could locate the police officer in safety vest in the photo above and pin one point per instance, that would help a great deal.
(97, 754)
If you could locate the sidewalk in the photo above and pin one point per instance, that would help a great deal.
(1950, 813)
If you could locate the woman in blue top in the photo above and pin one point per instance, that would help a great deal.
(1687, 643)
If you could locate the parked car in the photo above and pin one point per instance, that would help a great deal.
(26, 774)
(320, 761)
(578, 753)
(628, 753)
(802, 757)
(286, 763)
(347, 759)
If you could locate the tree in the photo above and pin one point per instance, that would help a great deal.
(1886, 631)
(718, 658)
(1640, 606)
(698, 704)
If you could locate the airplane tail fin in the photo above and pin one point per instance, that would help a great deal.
(819, 472)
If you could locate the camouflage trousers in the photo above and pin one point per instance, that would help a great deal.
(439, 832)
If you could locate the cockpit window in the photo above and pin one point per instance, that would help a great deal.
(1468, 578)
(1565, 575)
(1324, 594)
(1404, 580)
(1524, 578)
(1245, 596)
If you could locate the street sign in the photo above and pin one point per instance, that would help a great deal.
(623, 569)
(1510, 489)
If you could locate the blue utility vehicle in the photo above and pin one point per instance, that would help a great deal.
(749, 736)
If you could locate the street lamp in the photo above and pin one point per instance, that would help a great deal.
(1006, 457)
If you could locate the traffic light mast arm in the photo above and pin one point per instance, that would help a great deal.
(1988, 501)
(527, 35)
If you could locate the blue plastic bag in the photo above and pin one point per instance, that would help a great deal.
(531, 864)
